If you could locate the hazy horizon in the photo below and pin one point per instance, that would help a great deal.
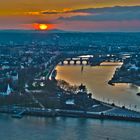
(87, 16)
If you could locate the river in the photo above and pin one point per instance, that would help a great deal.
(36, 128)
(95, 78)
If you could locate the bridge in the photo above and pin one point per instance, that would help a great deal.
(91, 60)
(75, 61)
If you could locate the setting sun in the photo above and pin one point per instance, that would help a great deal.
(43, 27)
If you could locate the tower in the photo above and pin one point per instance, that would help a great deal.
(9, 90)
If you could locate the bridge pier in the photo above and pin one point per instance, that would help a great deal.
(87, 62)
(62, 62)
(68, 62)
(75, 62)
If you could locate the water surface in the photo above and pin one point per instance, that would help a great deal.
(96, 79)
(36, 128)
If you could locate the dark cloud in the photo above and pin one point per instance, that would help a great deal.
(106, 14)
(109, 9)
(51, 12)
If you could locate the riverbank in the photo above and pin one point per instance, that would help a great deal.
(100, 111)
(129, 72)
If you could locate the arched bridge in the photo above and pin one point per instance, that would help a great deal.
(91, 60)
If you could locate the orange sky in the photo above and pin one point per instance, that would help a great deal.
(22, 14)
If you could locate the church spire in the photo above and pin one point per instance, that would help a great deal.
(9, 90)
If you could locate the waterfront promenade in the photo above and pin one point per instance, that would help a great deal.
(100, 111)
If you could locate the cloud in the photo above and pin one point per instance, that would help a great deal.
(66, 10)
(109, 9)
(106, 14)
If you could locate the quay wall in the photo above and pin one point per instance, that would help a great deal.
(68, 113)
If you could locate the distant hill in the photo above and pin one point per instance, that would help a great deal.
(33, 31)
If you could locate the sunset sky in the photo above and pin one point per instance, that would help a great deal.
(81, 15)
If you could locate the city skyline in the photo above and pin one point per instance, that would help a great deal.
(90, 15)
